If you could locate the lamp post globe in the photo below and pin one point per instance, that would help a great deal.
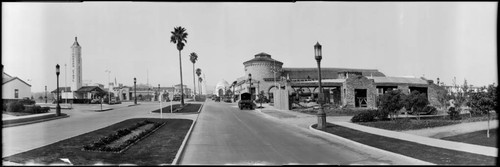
(321, 114)
(58, 107)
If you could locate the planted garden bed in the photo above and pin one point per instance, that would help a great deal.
(176, 108)
(158, 148)
(123, 138)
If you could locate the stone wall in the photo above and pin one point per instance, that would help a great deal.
(359, 82)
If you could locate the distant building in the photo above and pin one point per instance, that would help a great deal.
(14, 87)
(342, 86)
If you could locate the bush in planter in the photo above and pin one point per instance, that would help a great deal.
(365, 116)
(15, 106)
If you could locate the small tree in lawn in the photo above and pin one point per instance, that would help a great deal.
(416, 102)
(392, 102)
(484, 102)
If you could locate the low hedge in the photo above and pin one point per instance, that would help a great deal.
(35, 109)
(15, 106)
(365, 116)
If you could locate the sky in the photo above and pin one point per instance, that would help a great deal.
(132, 39)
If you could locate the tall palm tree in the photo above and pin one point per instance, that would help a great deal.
(198, 72)
(200, 80)
(179, 36)
(193, 57)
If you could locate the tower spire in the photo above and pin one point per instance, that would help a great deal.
(76, 39)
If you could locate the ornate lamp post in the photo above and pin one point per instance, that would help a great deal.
(321, 114)
(58, 108)
(260, 93)
(250, 88)
(135, 93)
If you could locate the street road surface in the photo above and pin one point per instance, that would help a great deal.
(224, 134)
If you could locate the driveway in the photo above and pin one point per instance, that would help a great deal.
(224, 134)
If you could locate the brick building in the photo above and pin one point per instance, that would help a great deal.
(343, 86)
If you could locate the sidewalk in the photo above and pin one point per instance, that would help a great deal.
(305, 120)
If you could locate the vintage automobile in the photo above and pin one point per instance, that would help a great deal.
(246, 101)
(176, 98)
(217, 99)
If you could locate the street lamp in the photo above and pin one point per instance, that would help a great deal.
(250, 88)
(58, 108)
(45, 94)
(109, 87)
(135, 93)
(260, 93)
(321, 114)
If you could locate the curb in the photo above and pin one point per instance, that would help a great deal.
(34, 121)
(183, 145)
(383, 152)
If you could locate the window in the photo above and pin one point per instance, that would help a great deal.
(16, 93)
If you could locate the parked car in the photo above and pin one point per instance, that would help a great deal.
(217, 99)
(246, 101)
(227, 99)
(95, 101)
(176, 98)
(114, 100)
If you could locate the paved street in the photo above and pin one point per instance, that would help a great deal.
(19, 139)
(224, 134)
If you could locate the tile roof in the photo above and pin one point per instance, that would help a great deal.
(7, 78)
(263, 57)
(90, 89)
(326, 73)
(398, 80)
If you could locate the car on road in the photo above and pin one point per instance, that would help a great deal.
(246, 101)
(176, 98)
(95, 101)
(217, 99)
(115, 100)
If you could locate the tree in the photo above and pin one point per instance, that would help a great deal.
(200, 80)
(416, 102)
(198, 73)
(483, 102)
(193, 57)
(179, 36)
(391, 102)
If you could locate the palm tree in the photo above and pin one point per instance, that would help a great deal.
(198, 72)
(234, 85)
(179, 36)
(193, 57)
(200, 80)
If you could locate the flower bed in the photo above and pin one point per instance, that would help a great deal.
(123, 138)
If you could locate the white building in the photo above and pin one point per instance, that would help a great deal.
(14, 88)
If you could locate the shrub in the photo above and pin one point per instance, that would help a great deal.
(15, 106)
(454, 113)
(4, 107)
(392, 102)
(365, 116)
(27, 102)
(430, 110)
(45, 109)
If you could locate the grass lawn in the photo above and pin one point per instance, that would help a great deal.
(478, 138)
(188, 108)
(330, 111)
(402, 124)
(159, 148)
(19, 113)
(431, 154)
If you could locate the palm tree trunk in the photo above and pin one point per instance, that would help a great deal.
(182, 89)
(194, 85)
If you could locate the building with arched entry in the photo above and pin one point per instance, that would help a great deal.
(222, 88)
(342, 86)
